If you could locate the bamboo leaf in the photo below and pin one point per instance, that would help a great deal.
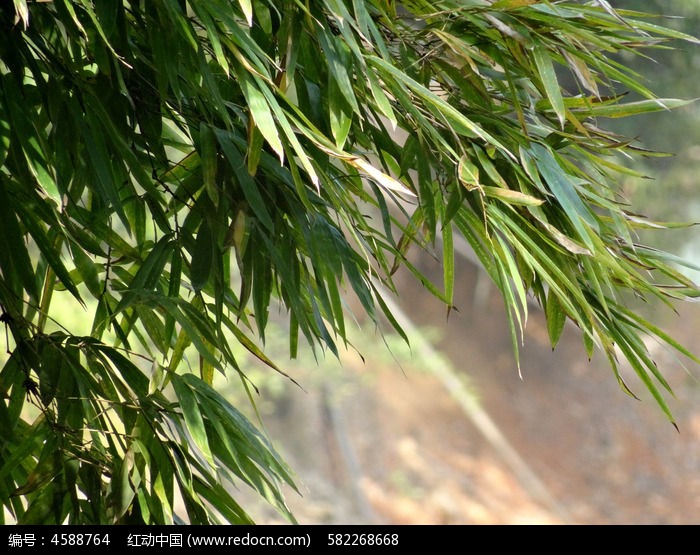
(261, 113)
(47, 246)
(626, 109)
(247, 8)
(565, 192)
(15, 262)
(192, 413)
(545, 67)
(448, 262)
(381, 99)
(460, 123)
(208, 155)
(202, 257)
(468, 173)
(21, 12)
(4, 140)
(556, 318)
(511, 4)
(88, 271)
(250, 189)
(511, 197)
(141, 140)
(379, 177)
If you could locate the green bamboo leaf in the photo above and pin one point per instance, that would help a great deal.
(182, 342)
(123, 492)
(448, 261)
(511, 4)
(102, 122)
(644, 356)
(208, 155)
(339, 69)
(21, 452)
(137, 137)
(43, 508)
(260, 111)
(153, 326)
(200, 329)
(206, 371)
(192, 412)
(549, 267)
(665, 31)
(626, 109)
(130, 373)
(257, 447)
(514, 280)
(488, 166)
(647, 325)
(29, 215)
(219, 497)
(105, 176)
(284, 122)
(512, 312)
(148, 273)
(563, 240)
(88, 7)
(213, 34)
(564, 190)
(379, 177)
(255, 149)
(339, 116)
(556, 318)
(589, 345)
(250, 189)
(4, 140)
(458, 121)
(15, 262)
(202, 257)
(88, 269)
(545, 67)
(381, 99)
(631, 354)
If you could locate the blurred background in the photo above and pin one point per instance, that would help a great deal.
(447, 432)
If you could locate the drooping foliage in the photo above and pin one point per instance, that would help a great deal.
(175, 167)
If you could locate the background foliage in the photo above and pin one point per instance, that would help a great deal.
(175, 167)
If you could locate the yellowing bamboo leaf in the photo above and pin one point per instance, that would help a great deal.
(206, 371)
(379, 177)
(468, 174)
(511, 197)
(582, 72)
(21, 12)
(569, 244)
(247, 7)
